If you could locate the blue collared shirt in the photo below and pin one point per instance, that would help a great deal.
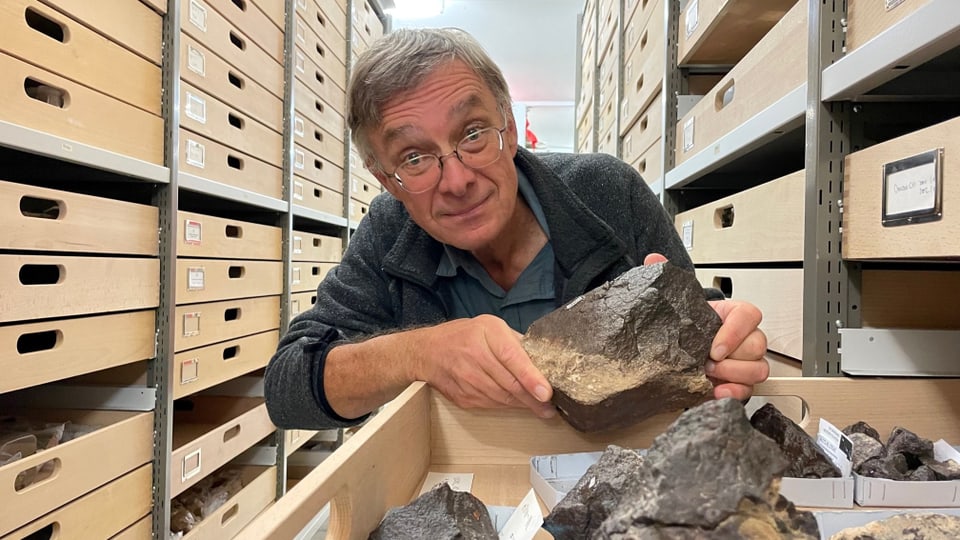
(468, 290)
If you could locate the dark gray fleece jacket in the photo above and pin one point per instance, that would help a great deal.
(603, 220)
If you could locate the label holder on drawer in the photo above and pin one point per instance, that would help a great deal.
(913, 189)
(192, 465)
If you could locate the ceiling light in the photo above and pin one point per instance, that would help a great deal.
(413, 9)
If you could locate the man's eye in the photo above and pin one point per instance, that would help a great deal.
(473, 134)
(412, 159)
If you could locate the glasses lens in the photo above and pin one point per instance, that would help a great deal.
(480, 148)
(419, 173)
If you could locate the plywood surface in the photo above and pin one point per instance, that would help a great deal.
(721, 32)
(866, 19)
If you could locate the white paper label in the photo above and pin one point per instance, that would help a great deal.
(196, 153)
(525, 521)
(688, 135)
(688, 234)
(837, 446)
(198, 15)
(297, 244)
(301, 33)
(192, 232)
(693, 16)
(298, 159)
(298, 126)
(912, 190)
(353, 184)
(942, 451)
(456, 481)
(195, 279)
(299, 62)
(191, 324)
(196, 108)
(196, 61)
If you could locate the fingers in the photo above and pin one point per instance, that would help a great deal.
(513, 371)
(740, 320)
(736, 391)
(654, 258)
(743, 372)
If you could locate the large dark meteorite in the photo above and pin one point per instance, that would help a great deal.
(439, 514)
(627, 350)
(806, 458)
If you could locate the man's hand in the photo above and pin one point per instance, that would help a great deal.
(736, 361)
(480, 362)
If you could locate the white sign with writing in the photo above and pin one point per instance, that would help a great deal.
(525, 521)
(837, 446)
(912, 190)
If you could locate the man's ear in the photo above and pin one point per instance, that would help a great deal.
(510, 135)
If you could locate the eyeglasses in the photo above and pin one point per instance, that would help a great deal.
(421, 172)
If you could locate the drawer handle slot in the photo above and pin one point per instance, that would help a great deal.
(235, 163)
(230, 514)
(317, 193)
(41, 274)
(234, 231)
(723, 217)
(366, 187)
(643, 40)
(231, 352)
(33, 476)
(725, 95)
(317, 135)
(236, 272)
(35, 342)
(318, 105)
(642, 166)
(313, 300)
(51, 95)
(640, 82)
(236, 80)
(35, 207)
(238, 41)
(315, 270)
(231, 433)
(318, 165)
(321, 51)
(725, 285)
(232, 314)
(321, 20)
(235, 120)
(48, 532)
(317, 242)
(643, 123)
(242, 4)
(45, 25)
(320, 78)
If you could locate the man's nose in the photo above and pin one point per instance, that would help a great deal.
(455, 177)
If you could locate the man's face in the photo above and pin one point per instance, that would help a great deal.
(468, 208)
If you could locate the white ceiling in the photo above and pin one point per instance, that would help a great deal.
(535, 44)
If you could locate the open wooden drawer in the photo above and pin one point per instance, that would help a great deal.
(384, 464)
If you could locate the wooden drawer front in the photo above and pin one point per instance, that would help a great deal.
(909, 299)
(160, 6)
(208, 236)
(67, 286)
(609, 14)
(327, 85)
(320, 41)
(639, 14)
(302, 302)
(607, 143)
(323, 115)
(358, 209)
(316, 247)
(323, 17)
(275, 10)
(209, 72)
(100, 514)
(366, 23)
(762, 224)
(585, 125)
(80, 466)
(215, 431)
(364, 190)
(723, 31)
(647, 128)
(318, 141)
(259, 490)
(642, 75)
(218, 35)
(306, 276)
(125, 130)
(770, 71)
(295, 438)
(209, 366)
(83, 56)
(650, 163)
(208, 280)
(138, 531)
(253, 23)
(864, 236)
(59, 349)
(35, 218)
(317, 197)
(777, 292)
(131, 24)
(866, 19)
(324, 58)
(205, 158)
(309, 166)
(198, 325)
(205, 115)
(608, 114)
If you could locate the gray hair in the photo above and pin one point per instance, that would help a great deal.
(399, 61)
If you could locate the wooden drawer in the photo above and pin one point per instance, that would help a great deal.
(607, 143)
(317, 197)
(777, 292)
(306, 276)
(585, 125)
(275, 10)
(609, 15)
(642, 74)
(358, 209)
(214, 237)
(318, 141)
(259, 490)
(770, 71)
(323, 16)
(366, 23)
(208, 280)
(320, 40)
(762, 224)
(209, 431)
(316, 110)
(253, 23)
(364, 190)
(205, 158)
(647, 129)
(34, 219)
(198, 325)
(301, 302)
(131, 24)
(316, 247)
(82, 56)
(909, 299)
(608, 115)
(295, 438)
(205, 115)
(79, 468)
(37, 287)
(59, 349)
(650, 163)
(721, 32)
(92, 118)
(138, 531)
(207, 71)
(639, 14)
(160, 6)
(309, 166)
(864, 235)
(218, 35)
(315, 60)
(202, 368)
(866, 19)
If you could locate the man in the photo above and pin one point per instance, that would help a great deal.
(476, 239)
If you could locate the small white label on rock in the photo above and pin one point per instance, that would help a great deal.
(837, 446)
